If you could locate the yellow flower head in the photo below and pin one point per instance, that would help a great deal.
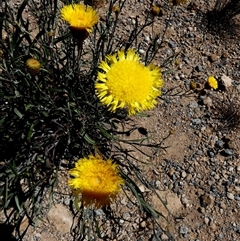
(156, 11)
(123, 82)
(116, 9)
(81, 18)
(97, 180)
(33, 66)
(212, 82)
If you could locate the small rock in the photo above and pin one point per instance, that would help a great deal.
(164, 237)
(211, 154)
(193, 104)
(230, 195)
(237, 197)
(208, 101)
(183, 174)
(183, 230)
(213, 57)
(99, 212)
(172, 44)
(185, 201)
(196, 121)
(142, 188)
(201, 210)
(206, 220)
(61, 218)
(226, 81)
(227, 152)
(207, 200)
(147, 38)
(219, 144)
(121, 221)
(199, 68)
(158, 183)
(213, 226)
(143, 224)
(223, 205)
(237, 188)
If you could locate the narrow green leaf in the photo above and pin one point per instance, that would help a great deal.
(30, 132)
(18, 113)
(6, 192)
(104, 132)
(17, 203)
(76, 204)
(89, 139)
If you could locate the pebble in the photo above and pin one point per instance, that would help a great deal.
(199, 68)
(213, 57)
(196, 121)
(164, 237)
(143, 224)
(158, 183)
(172, 44)
(193, 104)
(219, 144)
(142, 188)
(183, 174)
(183, 230)
(206, 220)
(237, 197)
(230, 195)
(227, 152)
(147, 38)
(207, 200)
(213, 226)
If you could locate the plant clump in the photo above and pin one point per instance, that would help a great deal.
(67, 102)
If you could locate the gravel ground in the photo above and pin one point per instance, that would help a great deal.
(199, 173)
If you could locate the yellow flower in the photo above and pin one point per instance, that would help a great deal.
(116, 9)
(33, 66)
(97, 180)
(123, 82)
(156, 11)
(81, 19)
(212, 82)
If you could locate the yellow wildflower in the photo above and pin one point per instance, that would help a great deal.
(81, 19)
(116, 9)
(97, 180)
(212, 82)
(124, 82)
(33, 66)
(156, 11)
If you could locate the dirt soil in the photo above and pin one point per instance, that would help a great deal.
(198, 173)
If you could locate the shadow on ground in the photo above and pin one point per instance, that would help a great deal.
(6, 232)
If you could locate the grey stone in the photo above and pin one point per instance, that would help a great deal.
(219, 144)
(193, 104)
(183, 230)
(196, 121)
(199, 68)
(227, 152)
